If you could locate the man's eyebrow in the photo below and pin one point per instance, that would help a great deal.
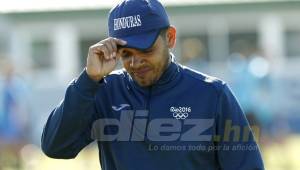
(128, 52)
(125, 52)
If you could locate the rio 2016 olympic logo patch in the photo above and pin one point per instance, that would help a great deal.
(180, 112)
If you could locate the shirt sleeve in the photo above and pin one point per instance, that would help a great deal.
(68, 128)
(234, 137)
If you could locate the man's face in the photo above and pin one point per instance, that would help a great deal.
(146, 67)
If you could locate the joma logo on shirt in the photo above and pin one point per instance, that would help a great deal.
(122, 106)
(127, 22)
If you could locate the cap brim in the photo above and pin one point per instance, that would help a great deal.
(141, 41)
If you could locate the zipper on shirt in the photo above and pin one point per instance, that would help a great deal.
(149, 98)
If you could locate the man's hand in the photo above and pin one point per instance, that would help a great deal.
(102, 58)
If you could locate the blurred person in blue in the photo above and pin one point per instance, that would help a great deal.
(154, 113)
(15, 107)
(250, 81)
(14, 128)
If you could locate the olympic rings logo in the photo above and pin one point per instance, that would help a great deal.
(180, 115)
(180, 112)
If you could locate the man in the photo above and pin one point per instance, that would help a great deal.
(155, 114)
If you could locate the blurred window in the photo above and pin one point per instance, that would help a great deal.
(41, 54)
(3, 46)
(194, 47)
(84, 48)
(243, 43)
(292, 43)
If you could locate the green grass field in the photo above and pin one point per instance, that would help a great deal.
(280, 155)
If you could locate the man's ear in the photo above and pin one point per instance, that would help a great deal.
(171, 37)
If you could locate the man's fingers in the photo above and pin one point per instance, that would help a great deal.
(102, 48)
(110, 49)
(120, 42)
(115, 49)
(113, 44)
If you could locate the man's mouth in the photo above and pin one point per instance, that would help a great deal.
(141, 72)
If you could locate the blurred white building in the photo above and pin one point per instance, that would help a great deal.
(53, 39)
(48, 43)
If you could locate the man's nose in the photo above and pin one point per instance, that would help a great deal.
(136, 61)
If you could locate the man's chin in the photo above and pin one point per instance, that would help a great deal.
(143, 82)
